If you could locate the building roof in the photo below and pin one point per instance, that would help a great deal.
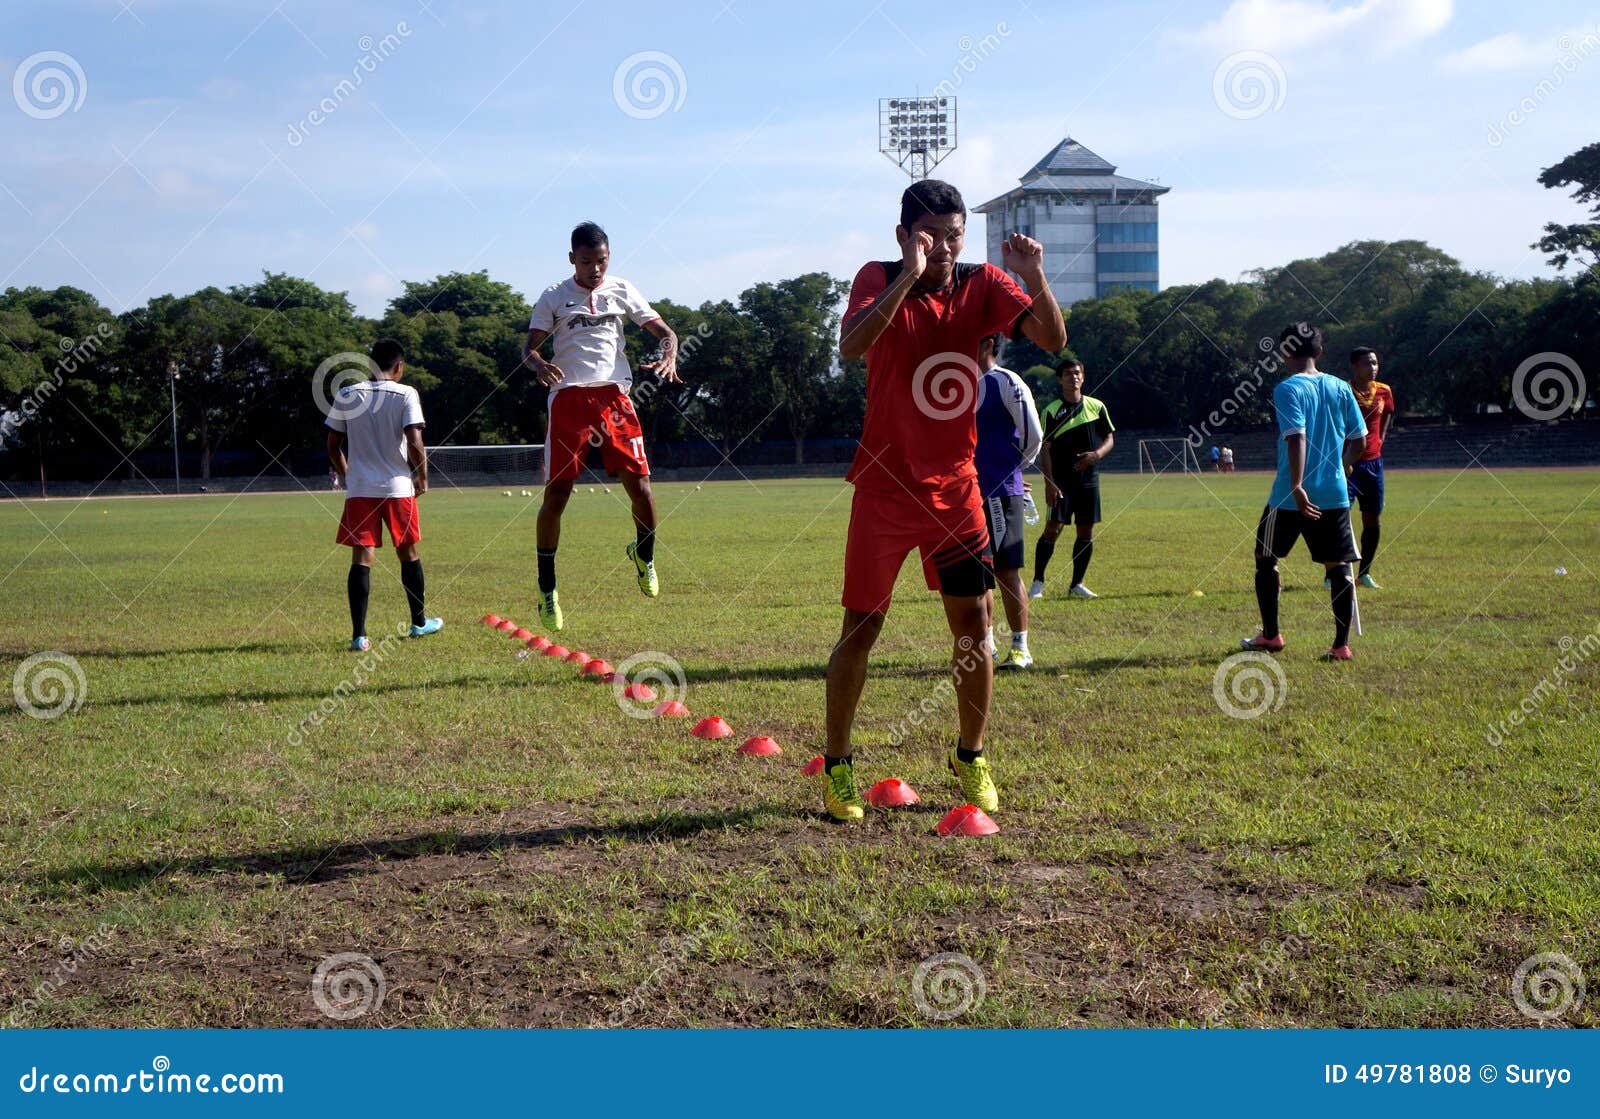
(1069, 167)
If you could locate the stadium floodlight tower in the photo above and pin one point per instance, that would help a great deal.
(917, 132)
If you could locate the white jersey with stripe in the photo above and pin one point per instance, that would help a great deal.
(585, 328)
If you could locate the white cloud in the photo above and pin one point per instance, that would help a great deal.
(1288, 25)
(1510, 51)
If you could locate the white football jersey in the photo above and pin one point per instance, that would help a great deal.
(585, 329)
(374, 416)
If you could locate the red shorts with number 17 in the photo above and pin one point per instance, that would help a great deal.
(592, 417)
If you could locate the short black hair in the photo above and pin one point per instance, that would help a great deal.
(589, 235)
(929, 197)
(1360, 352)
(385, 353)
(1300, 340)
(996, 340)
(1067, 363)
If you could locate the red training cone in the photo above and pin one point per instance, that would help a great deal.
(520, 634)
(892, 792)
(538, 643)
(557, 651)
(713, 726)
(505, 625)
(490, 619)
(671, 709)
(598, 667)
(639, 691)
(812, 767)
(968, 819)
(579, 658)
(761, 747)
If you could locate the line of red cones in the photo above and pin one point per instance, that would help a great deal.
(891, 792)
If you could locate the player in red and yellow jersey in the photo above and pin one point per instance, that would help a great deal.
(1366, 475)
(918, 321)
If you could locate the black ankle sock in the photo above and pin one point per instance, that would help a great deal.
(828, 764)
(1267, 595)
(1343, 594)
(411, 580)
(1369, 547)
(359, 588)
(547, 571)
(1042, 551)
(1082, 550)
(966, 755)
(645, 545)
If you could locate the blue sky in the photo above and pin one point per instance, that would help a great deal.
(490, 129)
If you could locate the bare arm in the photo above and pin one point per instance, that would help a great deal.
(1089, 458)
(1043, 324)
(336, 459)
(545, 372)
(1052, 493)
(417, 456)
(862, 329)
(1297, 475)
(666, 366)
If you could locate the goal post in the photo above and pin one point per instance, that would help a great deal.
(1159, 456)
(502, 464)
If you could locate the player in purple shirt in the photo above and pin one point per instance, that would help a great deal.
(1008, 440)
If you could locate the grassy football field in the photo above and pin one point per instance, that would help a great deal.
(231, 798)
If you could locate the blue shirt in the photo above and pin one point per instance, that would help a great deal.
(1008, 432)
(1323, 409)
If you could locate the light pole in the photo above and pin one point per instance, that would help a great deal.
(172, 386)
(917, 132)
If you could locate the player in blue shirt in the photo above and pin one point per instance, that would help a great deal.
(1008, 440)
(1320, 432)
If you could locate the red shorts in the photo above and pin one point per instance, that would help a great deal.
(364, 518)
(947, 526)
(590, 416)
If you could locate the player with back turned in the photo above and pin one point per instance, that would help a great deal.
(918, 321)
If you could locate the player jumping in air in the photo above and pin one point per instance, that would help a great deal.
(1008, 440)
(1077, 437)
(375, 445)
(1320, 432)
(1366, 476)
(918, 322)
(589, 378)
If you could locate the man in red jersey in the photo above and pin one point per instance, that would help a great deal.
(918, 321)
(1366, 475)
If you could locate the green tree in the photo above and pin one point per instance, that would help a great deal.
(1580, 242)
(798, 320)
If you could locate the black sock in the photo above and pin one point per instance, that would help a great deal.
(828, 764)
(547, 571)
(359, 587)
(645, 544)
(1369, 546)
(1082, 549)
(1344, 592)
(1267, 594)
(1042, 551)
(966, 755)
(411, 580)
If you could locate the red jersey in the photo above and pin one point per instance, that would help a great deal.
(920, 430)
(1376, 402)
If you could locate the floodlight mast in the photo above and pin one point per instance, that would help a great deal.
(917, 133)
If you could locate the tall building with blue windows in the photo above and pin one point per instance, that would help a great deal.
(1099, 229)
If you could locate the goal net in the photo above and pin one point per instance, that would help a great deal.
(1158, 456)
(519, 464)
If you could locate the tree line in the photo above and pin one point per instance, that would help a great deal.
(85, 393)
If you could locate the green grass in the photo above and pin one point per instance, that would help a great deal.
(513, 850)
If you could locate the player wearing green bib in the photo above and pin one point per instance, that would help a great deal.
(1077, 437)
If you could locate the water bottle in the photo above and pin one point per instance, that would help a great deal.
(1030, 511)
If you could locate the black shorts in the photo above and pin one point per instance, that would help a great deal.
(1078, 505)
(1003, 511)
(1328, 537)
(1366, 486)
